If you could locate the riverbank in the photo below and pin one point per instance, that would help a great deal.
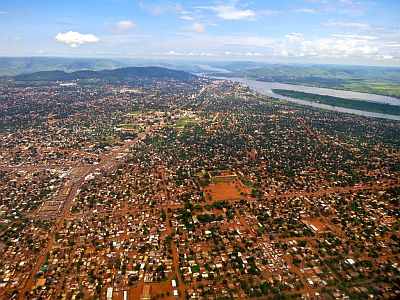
(266, 88)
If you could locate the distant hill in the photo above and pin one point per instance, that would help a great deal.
(278, 72)
(11, 66)
(121, 74)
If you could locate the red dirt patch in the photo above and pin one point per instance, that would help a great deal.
(317, 223)
(220, 191)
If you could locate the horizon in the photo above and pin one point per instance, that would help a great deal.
(201, 60)
(321, 32)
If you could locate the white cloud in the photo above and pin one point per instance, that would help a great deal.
(198, 27)
(207, 54)
(247, 41)
(292, 46)
(186, 18)
(250, 54)
(352, 25)
(294, 37)
(159, 9)
(346, 7)
(228, 12)
(75, 39)
(305, 10)
(284, 53)
(386, 57)
(348, 2)
(203, 54)
(174, 53)
(355, 37)
(335, 46)
(124, 25)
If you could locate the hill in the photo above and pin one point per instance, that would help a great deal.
(121, 74)
(11, 66)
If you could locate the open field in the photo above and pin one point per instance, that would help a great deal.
(380, 88)
(221, 191)
(185, 121)
(128, 126)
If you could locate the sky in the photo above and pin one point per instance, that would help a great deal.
(363, 32)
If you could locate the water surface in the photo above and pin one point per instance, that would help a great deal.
(266, 88)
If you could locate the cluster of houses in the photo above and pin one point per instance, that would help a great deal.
(231, 195)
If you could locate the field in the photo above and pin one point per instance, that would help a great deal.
(380, 88)
(225, 191)
(341, 102)
(184, 122)
(134, 113)
(318, 224)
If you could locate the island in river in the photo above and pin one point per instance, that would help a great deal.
(382, 108)
(265, 88)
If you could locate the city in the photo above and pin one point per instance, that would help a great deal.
(200, 150)
(194, 190)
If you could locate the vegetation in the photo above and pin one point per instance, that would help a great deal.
(11, 66)
(341, 102)
(376, 80)
(115, 75)
(185, 121)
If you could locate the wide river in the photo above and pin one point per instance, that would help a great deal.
(266, 88)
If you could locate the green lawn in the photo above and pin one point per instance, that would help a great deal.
(185, 121)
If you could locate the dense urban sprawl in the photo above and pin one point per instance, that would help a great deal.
(193, 190)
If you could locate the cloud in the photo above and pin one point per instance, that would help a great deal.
(198, 54)
(392, 45)
(75, 39)
(294, 37)
(124, 25)
(173, 53)
(227, 12)
(334, 46)
(186, 18)
(355, 36)
(159, 9)
(198, 27)
(385, 57)
(249, 54)
(348, 2)
(247, 41)
(306, 10)
(345, 7)
(351, 25)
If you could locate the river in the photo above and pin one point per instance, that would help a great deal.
(266, 88)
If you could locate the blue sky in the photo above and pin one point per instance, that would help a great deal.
(317, 31)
